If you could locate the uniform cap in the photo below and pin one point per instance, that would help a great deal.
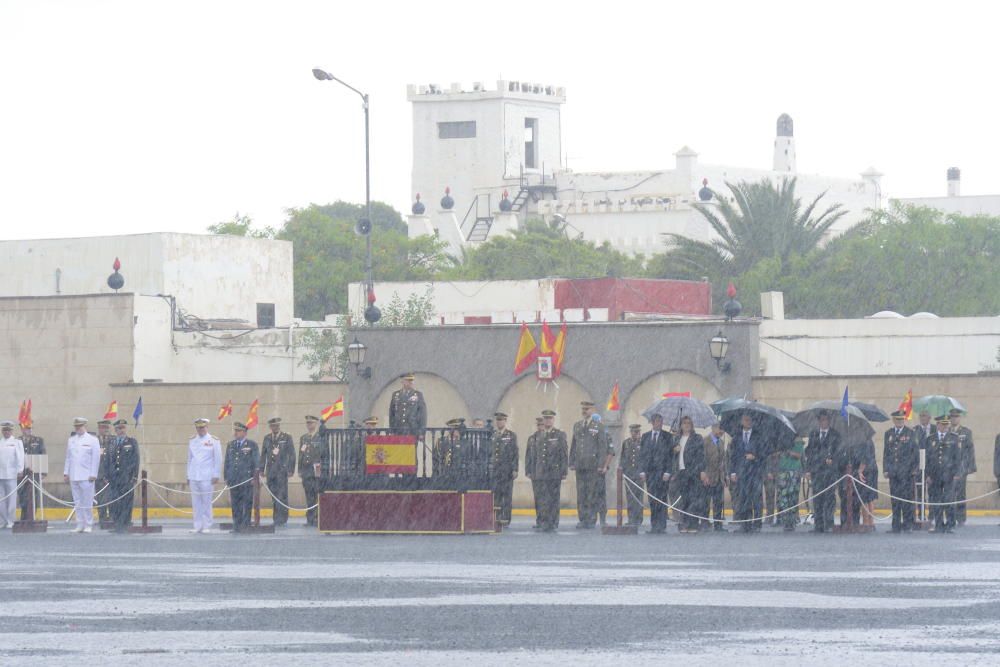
(312, 418)
(79, 421)
(6, 424)
(898, 413)
(635, 427)
(239, 426)
(955, 412)
(586, 404)
(499, 415)
(121, 422)
(104, 422)
(454, 422)
(201, 421)
(548, 413)
(273, 420)
(371, 421)
(942, 419)
(538, 420)
(408, 376)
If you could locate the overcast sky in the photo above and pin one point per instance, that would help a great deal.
(138, 116)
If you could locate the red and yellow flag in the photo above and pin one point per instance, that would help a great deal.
(21, 414)
(252, 415)
(527, 351)
(559, 351)
(613, 403)
(336, 409)
(26, 422)
(390, 454)
(225, 411)
(548, 341)
(676, 394)
(112, 411)
(907, 404)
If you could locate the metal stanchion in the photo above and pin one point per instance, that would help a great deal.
(145, 527)
(850, 526)
(255, 526)
(30, 525)
(619, 529)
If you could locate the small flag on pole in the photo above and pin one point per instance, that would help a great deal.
(252, 415)
(527, 351)
(559, 351)
(225, 411)
(335, 409)
(112, 411)
(613, 403)
(138, 411)
(22, 414)
(843, 404)
(27, 415)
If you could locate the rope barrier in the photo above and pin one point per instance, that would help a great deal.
(275, 499)
(16, 488)
(191, 493)
(917, 502)
(66, 504)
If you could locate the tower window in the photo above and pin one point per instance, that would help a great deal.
(265, 315)
(531, 143)
(463, 129)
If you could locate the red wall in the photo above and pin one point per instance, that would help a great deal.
(620, 295)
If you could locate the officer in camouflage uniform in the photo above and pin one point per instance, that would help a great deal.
(407, 410)
(33, 445)
(968, 454)
(122, 469)
(547, 467)
(944, 468)
(590, 455)
(241, 463)
(448, 456)
(311, 446)
(277, 464)
(102, 497)
(503, 466)
(629, 463)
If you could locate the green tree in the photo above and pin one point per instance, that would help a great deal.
(241, 225)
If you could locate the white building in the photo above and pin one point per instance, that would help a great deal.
(481, 145)
(955, 202)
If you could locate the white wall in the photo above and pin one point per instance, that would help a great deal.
(967, 205)
(211, 276)
(906, 346)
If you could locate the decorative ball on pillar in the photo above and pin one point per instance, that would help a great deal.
(372, 312)
(505, 203)
(732, 308)
(447, 203)
(418, 207)
(705, 194)
(116, 281)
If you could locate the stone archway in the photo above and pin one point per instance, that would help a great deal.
(652, 388)
(443, 401)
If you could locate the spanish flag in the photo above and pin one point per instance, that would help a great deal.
(527, 351)
(252, 415)
(548, 341)
(559, 351)
(613, 403)
(225, 411)
(21, 414)
(112, 412)
(26, 422)
(390, 454)
(907, 404)
(334, 410)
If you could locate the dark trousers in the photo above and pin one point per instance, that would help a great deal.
(959, 490)
(503, 497)
(824, 503)
(312, 487)
(657, 510)
(941, 491)
(241, 502)
(770, 497)
(715, 505)
(537, 492)
(547, 502)
(633, 499)
(102, 497)
(602, 499)
(902, 512)
(22, 497)
(588, 483)
(845, 488)
(278, 486)
(749, 505)
(120, 511)
(691, 498)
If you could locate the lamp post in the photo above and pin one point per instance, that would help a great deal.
(356, 355)
(718, 347)
(364, 226)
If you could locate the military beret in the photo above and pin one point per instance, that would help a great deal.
(104, 422)
(407, 376)
(239, 426)
(7, 424)
(454, 422)
(371, 420)
(121, 422)
(955, 412)
(201, 421)
(274, 420)
(635, 427)
(942, 419)
(80, 421)
(898, 413)
(586, 404)
(548, 413)
(499, 415)
(312, 418)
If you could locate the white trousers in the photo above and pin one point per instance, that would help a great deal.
(8, 504)
(83, 500)
(201, 503)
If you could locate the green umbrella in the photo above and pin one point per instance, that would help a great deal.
(937, 405)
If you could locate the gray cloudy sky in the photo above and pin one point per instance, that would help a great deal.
(139, 116)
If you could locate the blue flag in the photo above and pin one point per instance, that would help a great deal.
(138, 411)
(843, 404)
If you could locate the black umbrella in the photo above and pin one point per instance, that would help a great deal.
(854, 428)
(775, 426)
(872, 412)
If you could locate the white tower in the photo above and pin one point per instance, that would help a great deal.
(481, 143)
(784, 145)
(954, 182)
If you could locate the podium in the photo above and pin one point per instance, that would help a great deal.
(420, 512)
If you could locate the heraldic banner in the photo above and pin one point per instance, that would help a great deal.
(390, 454)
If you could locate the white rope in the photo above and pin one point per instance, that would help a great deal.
(916, 502)
(864, 505)
(16, 488)
(191, 493)
(275, 499)
(62, 502)
(173, 507)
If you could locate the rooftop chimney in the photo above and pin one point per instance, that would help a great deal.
(954, 182)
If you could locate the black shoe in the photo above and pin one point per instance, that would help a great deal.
(656, 531)
(789, 529)
(580, 525)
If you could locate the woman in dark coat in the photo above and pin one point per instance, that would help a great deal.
(689, 472)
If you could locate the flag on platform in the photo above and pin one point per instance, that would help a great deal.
(138, 411)
(335, 409)
(527, 351)
(547, 342)
(21, 414)
(907, 404)
(225, 411)
(844, 403)
(112, 411)
(391, 454)
(559, 351)
(252, 415)
(613, 403)
(27, 415)
(676, 394)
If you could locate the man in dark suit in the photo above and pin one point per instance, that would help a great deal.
(748, 454)
(822, 455)
(656, 457)
(900, 462)
(944, 468)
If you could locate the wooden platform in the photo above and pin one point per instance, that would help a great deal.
(407, 512)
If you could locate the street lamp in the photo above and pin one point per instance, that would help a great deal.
(718, 346)
(356, 355)
(372, 313)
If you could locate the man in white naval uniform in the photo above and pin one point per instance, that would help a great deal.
(204, 469)
(11, 468)
(83, 461)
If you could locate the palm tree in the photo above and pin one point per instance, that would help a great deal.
(762, 221)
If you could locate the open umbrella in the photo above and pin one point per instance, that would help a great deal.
(872, 412)
(775, 426)
(937, 405)
(736, 402)
(673, 408)
(854, 428)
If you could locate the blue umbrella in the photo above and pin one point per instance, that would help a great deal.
(673, 408)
